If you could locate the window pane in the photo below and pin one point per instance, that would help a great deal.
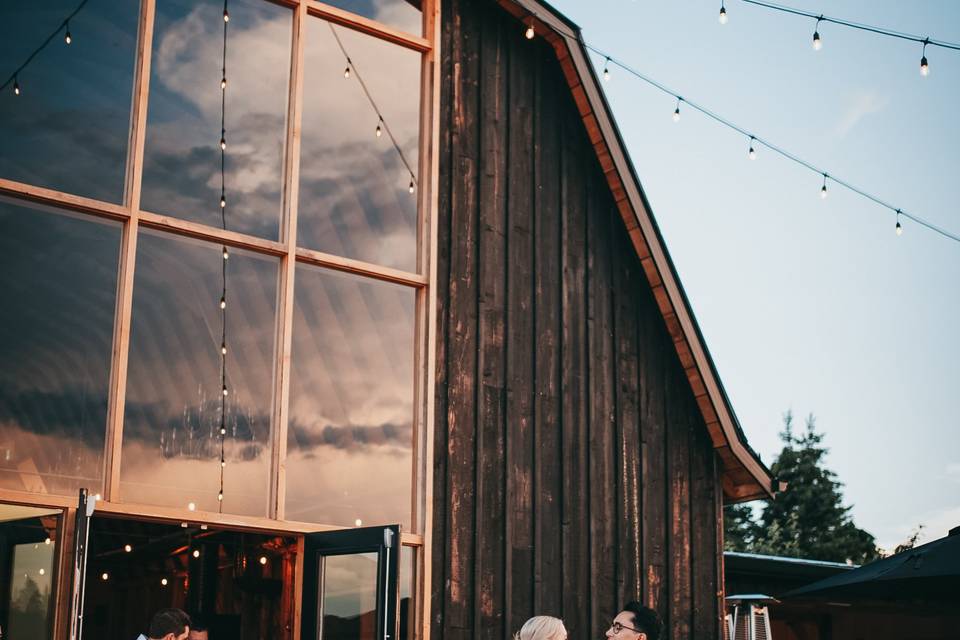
(68, 128)
(354, 197)
(350, 437)
(182, 154)
(28, 538)
(171, 440)
(350, 597)
(402, 14)
(58, 278)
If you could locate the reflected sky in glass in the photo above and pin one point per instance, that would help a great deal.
(400, 14)
(182, 153)
(350, 438)
(171, 444)
(58, 276)
(68, 128)
(354, 198)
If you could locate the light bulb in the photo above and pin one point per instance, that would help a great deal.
(529, 33)
(223, 82)
(191, 507)
(223, 348)
(358, 522)
(42, 571)
(220, 496)
(127, 548)
(223, 303)
(223, 463)
(263, 559)
(104, 576)
(223, 144)
(379, 131)
(226, 16)
(226, 255)
(223, 202)
(411, 188)
(163, 582)
(47, 541)
(223, 431)
(723, 15)
(899, 228)
(67, 37)
(225, 392)
(196, 553)
(606, 74)
(16, 87)
(924, 67)
(346, 72)
(676, 114)
(823, 192)
(752, 154)
(817, 43)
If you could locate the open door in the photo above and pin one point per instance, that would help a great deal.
(350, 585)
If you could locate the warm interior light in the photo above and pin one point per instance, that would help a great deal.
(196, 553)
(529, 33)
(127, 548)
(104, 576)
(263, 559)
(163, 582)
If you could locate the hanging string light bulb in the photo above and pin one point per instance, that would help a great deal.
(67, 37)
(723, 13)
(223, 263)
(752, 153)
(606, 70)
(817, 43)
(379, 129)
(676, 112)
(823, 189)
(529, 33)
(412, 186)
(16, 86)
(346, 72)
(924, 67)
(899, 229)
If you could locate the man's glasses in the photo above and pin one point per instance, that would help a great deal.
(617, 628)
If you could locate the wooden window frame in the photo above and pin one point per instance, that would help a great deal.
(133, 218)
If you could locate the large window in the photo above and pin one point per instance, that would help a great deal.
(115, 252)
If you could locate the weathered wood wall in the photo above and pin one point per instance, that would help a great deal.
(573, 471)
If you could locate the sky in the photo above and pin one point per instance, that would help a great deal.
(811, 305)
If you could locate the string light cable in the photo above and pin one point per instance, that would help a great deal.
(64, 26)
(758, 140)
(223, 262)
(381, 121)
(819, 17)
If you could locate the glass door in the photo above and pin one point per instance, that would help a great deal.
(350, 586)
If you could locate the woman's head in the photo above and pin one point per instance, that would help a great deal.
(542, 628)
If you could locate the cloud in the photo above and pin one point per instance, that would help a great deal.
(863, 104)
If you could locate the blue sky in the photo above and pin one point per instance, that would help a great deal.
(808, 304)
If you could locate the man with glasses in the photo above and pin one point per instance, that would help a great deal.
(635, 622)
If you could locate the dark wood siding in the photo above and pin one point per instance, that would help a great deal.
(573, 469)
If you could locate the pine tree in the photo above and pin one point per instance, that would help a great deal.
(809, 519)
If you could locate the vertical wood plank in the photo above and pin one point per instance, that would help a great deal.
(574, 535)
(603, 523)
(548, 283)
(519, 332)
(459, 544)
(653, 452)
(491, 400)
(679, 422)
(703, 532)
(628, 445)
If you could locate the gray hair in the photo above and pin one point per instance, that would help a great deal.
(542, 628)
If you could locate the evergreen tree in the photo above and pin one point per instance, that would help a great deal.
(808, 520)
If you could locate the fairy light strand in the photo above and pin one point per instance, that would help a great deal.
(68, 38)
(382, 125)
(856, 25)
(223, 261)
(609, 59)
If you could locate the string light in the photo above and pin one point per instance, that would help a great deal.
(899, 229)
(817, 43)
(606, 70)
(856, 25)
(163, 582)
(770, 145)
(190, 507)
(723, 13)
(127, 548)
(223, 263)
(196, 553)
(67, 38)
(529, 33)
(346, 72)
(924, 67)
(823, 189)
(676, 112)
(752, 154)
(263, 560)
(104, 576)
(382, 125)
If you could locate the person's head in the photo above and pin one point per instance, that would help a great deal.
(198, 627)
(542, 628)
(635, 622)
(169, 624)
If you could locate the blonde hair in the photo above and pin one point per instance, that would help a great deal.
(542, 628)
